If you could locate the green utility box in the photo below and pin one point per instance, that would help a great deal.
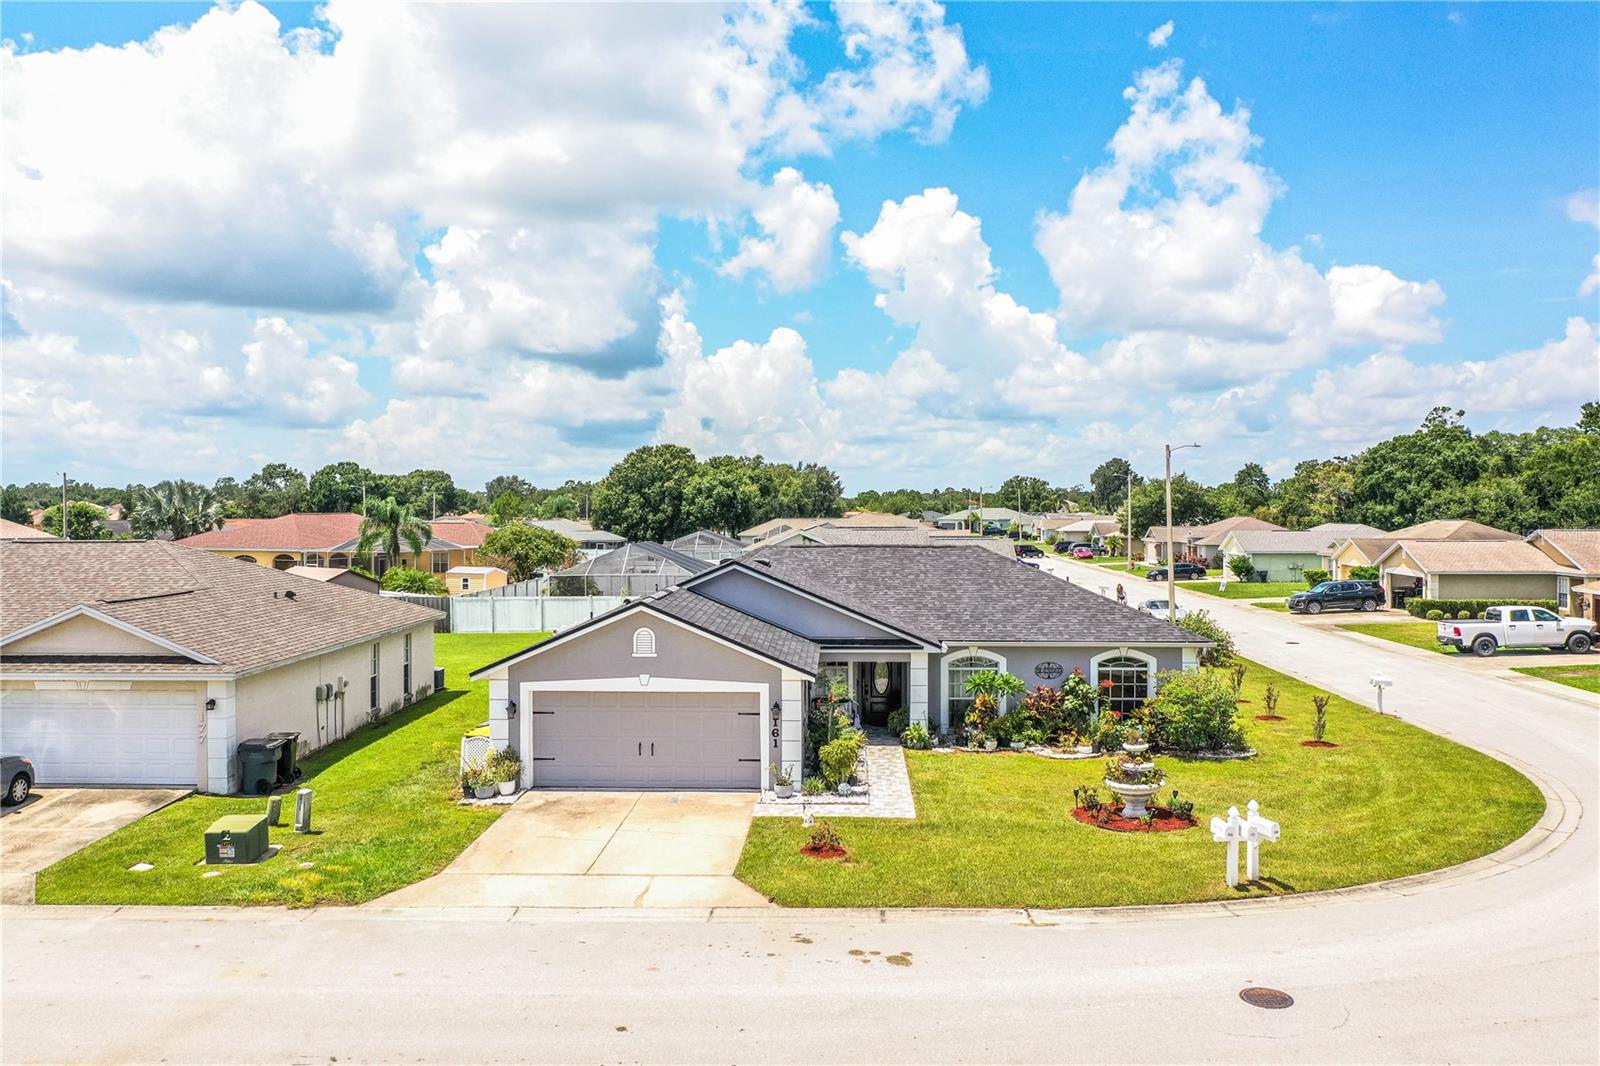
(236, 838)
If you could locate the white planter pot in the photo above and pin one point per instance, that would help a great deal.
(783, 791)
(1085, 749)
(483, 792)
(1134, 797)
(990, 745)
(507, 787)
(1135, 748)
(1017, 745)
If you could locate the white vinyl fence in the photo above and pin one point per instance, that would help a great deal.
(516, 614)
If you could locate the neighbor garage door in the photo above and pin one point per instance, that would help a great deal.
(646, 740)
(98, 737)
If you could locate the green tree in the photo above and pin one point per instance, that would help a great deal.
(1562, 481)
(409, 579)
(722, 495)
(1109, 483)
(338, 488)
(276, 489)
(1395, 479)
(427, 491)
(1318, 491)
(1589, 417)
(1252, 487)
(387, 525)
(1495, 501)
(85, 521)
(182, 508)
(499, 486)
(642, 497)
(14, 507)
(1029, 494)
(558, 505)
(1191, 504)
(507, 508)
(527, 551)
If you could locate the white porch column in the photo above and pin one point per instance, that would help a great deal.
(1191, 658)
(499, 724)
(222, 739)
(793, 727)
(919, 689)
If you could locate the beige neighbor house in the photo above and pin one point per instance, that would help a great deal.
(1579, 549)
(143, 662)
(1473, 570)
(336, 575)
(1202, 542)
(1355, 550)
(10, 530)
(1284, 554)
(775, 527)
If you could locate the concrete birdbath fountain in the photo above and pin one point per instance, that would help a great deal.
(1134, 778)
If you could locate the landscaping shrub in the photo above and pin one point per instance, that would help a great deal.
(1077, 704)
(1195, 711)
(1314, 577)
(1242, 567)
(814, 786)
(899, 718)
(1040, 712)
(1436, 615)
(1419, 608)
(1364, 573)
(1201, 624)
(1319, 726)
(417, 582)
(1462, 616)
(838, 757)
(916, 736)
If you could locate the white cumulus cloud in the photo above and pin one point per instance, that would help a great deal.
(797, 219)
(1159, 36)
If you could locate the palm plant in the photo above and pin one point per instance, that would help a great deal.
(386, 525)
(182, 508)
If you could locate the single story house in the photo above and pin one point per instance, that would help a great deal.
(591, 541)
(774, 527)
(1202, 543)
(1351, 551)
(462, 580)
(143, 662)
(330, 540)
(1473, 570)
(1454, 529)
(709, 545)
(989, 518)
(336, 575)
(706, 685)
(827, 533)
(1579, 549)
(1345, 555)
(1086, 529)
(635, 569)
(1283, 554)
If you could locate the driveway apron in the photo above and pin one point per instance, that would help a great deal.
(55, 822)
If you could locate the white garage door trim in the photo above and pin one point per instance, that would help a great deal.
(105, 736)
(643, 683)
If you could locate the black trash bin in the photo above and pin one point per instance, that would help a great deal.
(258, 764)
(288, 756)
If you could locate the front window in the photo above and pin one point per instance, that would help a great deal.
(405, 668)
(826, 675)
(283, 562)
(956, 675)
(339, 560)
(372, 682)
(1130, 682)
(441, 562)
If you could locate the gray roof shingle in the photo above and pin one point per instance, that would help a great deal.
(743, 629)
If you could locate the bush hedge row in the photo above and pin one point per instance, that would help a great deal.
(1419, 608)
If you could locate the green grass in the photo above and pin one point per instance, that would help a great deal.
(1422, 635)
(994, 830)
(1245, 590)
(1586, 678)
(382, 817)
(1272, 605)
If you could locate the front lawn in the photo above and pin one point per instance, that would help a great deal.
(1586, 678)
(995, 830)
(1272, 605)
(1245, 590)
(382, 817)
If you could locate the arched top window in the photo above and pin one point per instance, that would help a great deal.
(339, 559)
(956, 672)
(1130, 678)
(246, 559)
(644, 643)
(283, 562)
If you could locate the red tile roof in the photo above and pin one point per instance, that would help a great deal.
(292, 532)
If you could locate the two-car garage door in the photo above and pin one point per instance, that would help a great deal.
(104, 737)
(703, 740)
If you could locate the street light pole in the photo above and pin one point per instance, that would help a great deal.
(1127, 541)
(1172, 563)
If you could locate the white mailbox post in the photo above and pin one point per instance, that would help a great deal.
(1380, 683)
(1257, 830)
(1230, 831)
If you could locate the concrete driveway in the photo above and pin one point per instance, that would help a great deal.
(55, 822)
(600, 849)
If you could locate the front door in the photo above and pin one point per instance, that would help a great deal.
(880, 688)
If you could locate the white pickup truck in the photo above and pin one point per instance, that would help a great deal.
(1518, 627)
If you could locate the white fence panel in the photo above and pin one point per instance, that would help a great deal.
(525, 614)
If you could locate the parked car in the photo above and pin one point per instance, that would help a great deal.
(1153, 608)
(1518, 627)
(1083, 551)
(17, 772)
(1337, 595)
(1064, 547)
(1180, 572)
(1028, 551)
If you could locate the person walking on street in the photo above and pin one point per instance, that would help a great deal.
(1122, 596)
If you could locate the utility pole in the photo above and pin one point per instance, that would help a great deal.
(64, 506)
(1172, 563)
(1127, 540)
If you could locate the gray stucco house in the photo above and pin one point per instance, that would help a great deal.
(705, 685)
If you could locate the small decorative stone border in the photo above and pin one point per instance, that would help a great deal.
(1051, 753)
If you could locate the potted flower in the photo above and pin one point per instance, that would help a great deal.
(783, 783)
(1084, 745)
(505, 767)
(481, 783)
(982, 721)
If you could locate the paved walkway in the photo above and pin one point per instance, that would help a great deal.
(55, 822)
(888, 787)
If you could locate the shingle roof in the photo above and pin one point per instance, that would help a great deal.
(1346, 530)
(1215, 531)
(1482, 557)
(18, 531)
(1452, 529)
(1582, 546)
(1282, 541)
(743, 629)
(224, 609)
(1371, 547)
(582, 532)
(963, 593)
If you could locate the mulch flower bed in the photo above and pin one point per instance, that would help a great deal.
(1270, 718)
(1166, 821)
(1318, 744)
(824, 851)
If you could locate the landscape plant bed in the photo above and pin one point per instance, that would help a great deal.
(823, 851)
(1109, 817)
(1271, 718)
(1392, 800)
(383, 816)
(1318, 744)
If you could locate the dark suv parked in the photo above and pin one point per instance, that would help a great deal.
(1332, 595)
(1028, 551)
(1181, 572)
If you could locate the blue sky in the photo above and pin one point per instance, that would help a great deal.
(226, 304)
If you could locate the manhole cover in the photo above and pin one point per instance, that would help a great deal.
(1270, 998)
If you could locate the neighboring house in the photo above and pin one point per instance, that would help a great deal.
(331, 539)
(709, 546)
(591, 541)
(336, 575)
(1351, 551)
(1345, 555)
(1579, 549)
(1086, 529)
(142, 662)
(1284, 555)
(854, 519)
(116, 512)
(10, 530)
(1473, 570)
(1453, 529)
(1202, 543)
(989, 517)
(464, 579)
(636, 569)
(829, 534)
(707, 685)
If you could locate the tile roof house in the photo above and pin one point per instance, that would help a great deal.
(706, 683)
(1475, 569)
(143, 662)
(330, 540)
